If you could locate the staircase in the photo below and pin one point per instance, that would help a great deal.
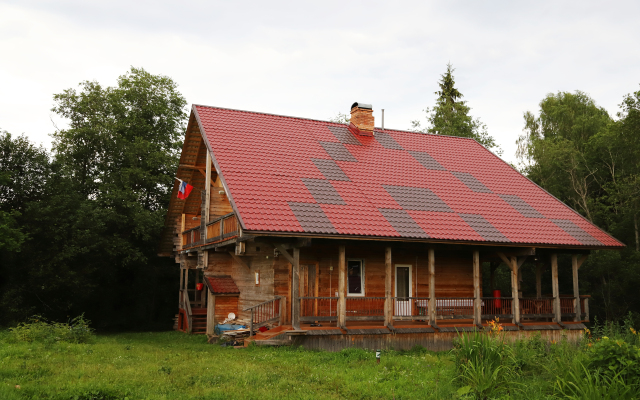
(199, 318)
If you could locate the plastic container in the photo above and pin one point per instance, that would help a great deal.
(497, 302)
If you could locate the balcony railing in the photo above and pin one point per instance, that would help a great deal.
(454, 307)
(410, 308)
(219, 229)
(496, 307)
(318, 309)
(222, 228)
(365, 308)
(536, 308)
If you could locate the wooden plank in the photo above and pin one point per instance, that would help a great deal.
(515, 302)
(342, 276)
(295, 306)
(388, 303)
(238, 260)
(211, 316)
(457, 328)
(576, 287)
(368, 331)
(477, 301)
(575, 327)
(414, 330)
(555, 288)
(323, 332)
(542, 327)
(539, 268)
(432, 287)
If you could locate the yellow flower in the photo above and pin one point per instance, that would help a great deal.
(604, 337)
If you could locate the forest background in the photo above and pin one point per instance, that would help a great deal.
(79, 225)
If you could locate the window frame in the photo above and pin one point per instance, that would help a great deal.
(362, 280)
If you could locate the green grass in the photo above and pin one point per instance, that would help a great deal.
(173, 365)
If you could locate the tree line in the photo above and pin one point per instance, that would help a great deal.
(80, 224)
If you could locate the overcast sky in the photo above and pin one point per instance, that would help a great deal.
(314, 59)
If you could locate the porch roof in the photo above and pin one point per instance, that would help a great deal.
(302, 176)
(221, 284)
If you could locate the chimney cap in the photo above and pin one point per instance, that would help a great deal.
(362, 105)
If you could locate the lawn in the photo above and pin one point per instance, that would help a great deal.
(171, 365)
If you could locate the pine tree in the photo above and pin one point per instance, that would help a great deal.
(451, 116)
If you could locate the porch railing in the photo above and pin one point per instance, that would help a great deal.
(267, 312)
(365, 308)
(410, 308)
(318, 309)
(536, 308)
(568, 307)
(222, 228)
(499, 307)
(185, 304)
(454, 307)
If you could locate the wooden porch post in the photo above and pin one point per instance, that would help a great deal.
(211, 315)
(295, 300)
(576, 288)
(555, 288)
(477, 301)
(342, 277)
(515, 306)
(432, 288)
(388, 305)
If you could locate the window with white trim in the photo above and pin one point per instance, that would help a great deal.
(355, 277)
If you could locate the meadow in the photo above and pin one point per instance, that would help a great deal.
(173, 365)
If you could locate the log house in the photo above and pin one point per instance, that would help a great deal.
(363, 236)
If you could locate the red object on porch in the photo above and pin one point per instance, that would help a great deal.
(497, 302)
(199, 286)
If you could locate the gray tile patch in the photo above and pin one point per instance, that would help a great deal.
(484, 228)
(471, 182)
(578, 233)
(419, 199)
(337, 151)
(402, 222)
(521, 206)
(387, 141)
(311, 217)
(343, 135)
(330, 169)
(426, 160)
(323, 191)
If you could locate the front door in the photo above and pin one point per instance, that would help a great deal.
(309, 288)
(403, 290)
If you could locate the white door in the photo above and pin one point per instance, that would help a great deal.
(403, 290)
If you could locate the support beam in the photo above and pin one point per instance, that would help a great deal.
(555, 288)
(207, 204)
(576, 288)
(295, 288)
(582, 259)
(515, 302)
(342, 286)
(388, 303)
(477, 301)
(285, 253)
(432, 287)
(211, 312)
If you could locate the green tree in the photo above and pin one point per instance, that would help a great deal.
(450, 116)
(587, 159)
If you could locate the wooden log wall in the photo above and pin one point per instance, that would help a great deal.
(224, 306)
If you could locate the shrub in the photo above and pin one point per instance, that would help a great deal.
(38, 329)
(614, 357)
(585, 384)
(485, 364)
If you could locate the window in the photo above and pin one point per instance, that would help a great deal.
(355, 277)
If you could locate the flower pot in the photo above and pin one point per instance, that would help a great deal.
(199, 286)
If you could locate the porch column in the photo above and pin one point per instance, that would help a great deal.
(477, 297)
(554, 286)
(295, 290)
(432, 288)
(515, 302)
(576, 288)
(211, 316)
(388, 303)
(342, 277)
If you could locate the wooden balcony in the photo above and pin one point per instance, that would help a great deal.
(218, 230)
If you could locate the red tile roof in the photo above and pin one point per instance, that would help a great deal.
(222, 284)
(298, 175)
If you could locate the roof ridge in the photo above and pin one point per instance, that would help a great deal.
(377, 128)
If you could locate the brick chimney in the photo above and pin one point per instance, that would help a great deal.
(361, 119)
